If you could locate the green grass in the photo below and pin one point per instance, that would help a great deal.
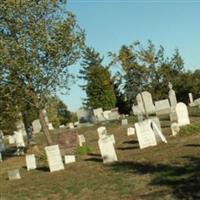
(191, 129)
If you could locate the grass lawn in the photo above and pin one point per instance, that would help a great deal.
(166, 171)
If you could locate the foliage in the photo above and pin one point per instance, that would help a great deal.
(38, 41)
(83, 150)
(98, 87)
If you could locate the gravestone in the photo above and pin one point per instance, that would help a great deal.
(14, 174)
(124, 122)
(148, 133)
(54, 158)
(1, 134)
(1, 159)
(70, 159)
(76, 124)
(11, 139)
(20, 125)
(145, 102)
(107, 150)
(98, 113)
(68, 142)
(50, 126)
(2, 145)
(156, 121)
(81, 140)
(162, 107)
(106, 114)
(62, 126)
(172, 95)
(130, 131)
(182, 114)
(158, 134)
(36, 126)
(30, 162)
(102, 131)
(19, 138)
(191, 98)
(175, 129)
(70, 125)
(173, 115)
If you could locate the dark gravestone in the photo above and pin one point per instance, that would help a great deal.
(68, 142)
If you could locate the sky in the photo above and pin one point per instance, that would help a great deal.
(109, 24)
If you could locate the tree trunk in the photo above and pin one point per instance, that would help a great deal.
(45, 127)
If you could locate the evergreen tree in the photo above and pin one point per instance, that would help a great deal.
(98, 87)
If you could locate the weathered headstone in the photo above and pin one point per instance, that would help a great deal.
(106, 114)
(173, 115)
(11, 139)
(54, 158)
(1, 157)
(2, 145)
(19, 138)
(81, 140)
(130, 131)
(70, 159)
(102, 131)
(30, 162)
(50, 126)
(107, 150)
(98, 113)
(114, 114)
(182, 114)
(124, 122)
(148, 133)
(172, 96)
(156, 121)
(68, 142)
(145, 102)
(191, 98)
(36, 126)
(162, 107)
(175, 129)
(14, 174)
(70, 125)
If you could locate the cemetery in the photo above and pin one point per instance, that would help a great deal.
(122, 122)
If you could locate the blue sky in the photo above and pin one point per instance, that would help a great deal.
(112, 23)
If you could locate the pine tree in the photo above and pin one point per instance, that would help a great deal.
(98, 87)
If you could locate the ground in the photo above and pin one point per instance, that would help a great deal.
(166, 171)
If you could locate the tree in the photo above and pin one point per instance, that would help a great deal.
(38, 41)
(98, 87)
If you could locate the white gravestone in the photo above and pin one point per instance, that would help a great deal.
(148, 133)
(14, 174)
(19, 138)
(145, 102)
(70, 159)
(54, 158)
(98, 113)
(2, 145)
(1, 157)
(30, 162)
(191, 98)
(162, 107)
(50, 126)
(130, 131)
(81, 140)
(11, 139)
(106, 114)
(182, 114)
(173, 115)
(70, 125)
(107, 150)
(156, 121)
(124, 122)
(175, 129)
(172, 96)
(36, 126)
(102, 131)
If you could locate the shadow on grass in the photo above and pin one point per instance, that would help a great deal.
(43, 168)
(192, 145)
(184, 180)
(94, 154)
(94, 159)
(127, 148)
(131, 142)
